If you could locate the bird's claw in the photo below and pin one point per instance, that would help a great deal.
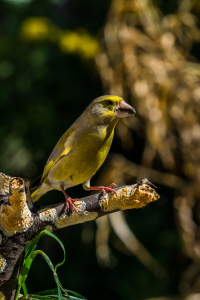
(104, 189)
(112, 184)
(67, 206)
(108, 189)
(69, 202)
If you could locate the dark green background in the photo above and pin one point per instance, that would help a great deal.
(42, 92)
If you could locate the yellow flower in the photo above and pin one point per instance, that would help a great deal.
(35, 29)
(75, 42)
(79, 42)
(88, 46)
(69, 42)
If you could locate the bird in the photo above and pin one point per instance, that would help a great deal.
(82, 149)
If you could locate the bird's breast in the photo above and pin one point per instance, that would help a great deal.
(84, 159)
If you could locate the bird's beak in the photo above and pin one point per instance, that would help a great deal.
(124, 110)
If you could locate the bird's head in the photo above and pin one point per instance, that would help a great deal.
(104, 109)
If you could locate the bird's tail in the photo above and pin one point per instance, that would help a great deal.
(37, 194)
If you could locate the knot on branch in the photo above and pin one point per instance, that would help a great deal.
(15, 215)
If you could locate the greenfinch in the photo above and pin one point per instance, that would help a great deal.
(82, 149)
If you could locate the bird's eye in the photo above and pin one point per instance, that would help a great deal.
(109, 102)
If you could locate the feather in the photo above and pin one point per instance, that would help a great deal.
(62, 148)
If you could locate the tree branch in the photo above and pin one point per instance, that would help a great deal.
(19, 224)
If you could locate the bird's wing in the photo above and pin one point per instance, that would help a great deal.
(62, 148)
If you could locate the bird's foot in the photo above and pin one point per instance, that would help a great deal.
(69, 202)
(103, 188)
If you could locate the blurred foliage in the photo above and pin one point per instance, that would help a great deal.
(41, 29)
(146, 57)
(49, 72)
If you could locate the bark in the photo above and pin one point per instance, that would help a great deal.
(20, 222)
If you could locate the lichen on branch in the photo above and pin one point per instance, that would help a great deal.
(15, 216)
(95, 206)
(129, 197)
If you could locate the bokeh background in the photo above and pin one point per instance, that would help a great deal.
(56, 56)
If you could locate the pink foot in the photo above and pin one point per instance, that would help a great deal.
(69, 202)
(103, 188)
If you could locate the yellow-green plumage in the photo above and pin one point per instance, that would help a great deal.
(83, 147)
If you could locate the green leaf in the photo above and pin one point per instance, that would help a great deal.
(52, 291)
(61, 244)
(35, 297)
(47, 292)
(75, 298)
(30, 254)
(58, 286)
(76, 294)
(24, 289)
(25, 268)
(32, 246)
(28, 259)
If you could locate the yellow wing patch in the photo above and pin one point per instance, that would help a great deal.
(52, 163)
(35, 195)
(46, 170)
(63, 147)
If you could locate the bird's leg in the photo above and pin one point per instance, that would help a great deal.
(86, 186)
(69, 201)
